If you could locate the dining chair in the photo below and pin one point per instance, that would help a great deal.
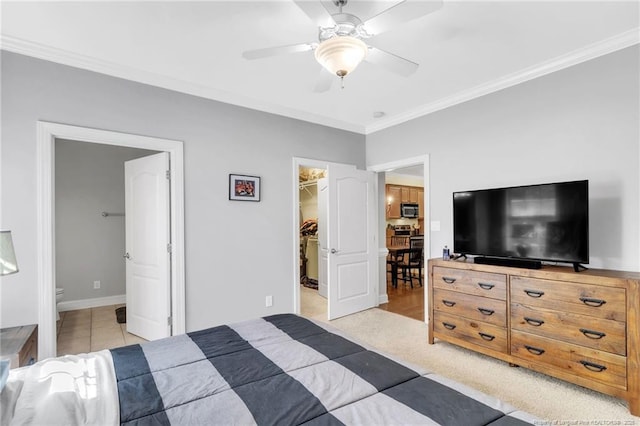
(400, 241)
(394, 258)
(413, 259)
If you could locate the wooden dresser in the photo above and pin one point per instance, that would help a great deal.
(582, 327)
(19, 345)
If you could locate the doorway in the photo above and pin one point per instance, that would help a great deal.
(347, 210)
(403, 299)
(90, 243)
(48, 133)
(313, 290)
(404, 226)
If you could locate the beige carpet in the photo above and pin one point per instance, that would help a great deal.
(312, 305)
(538, 394)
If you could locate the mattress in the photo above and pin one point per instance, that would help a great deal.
(276, 370)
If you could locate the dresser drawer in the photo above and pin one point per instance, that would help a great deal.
(584, 362)
(478, 308)
(586, 299)
(476, 332)
(484, 284)
(597, 333)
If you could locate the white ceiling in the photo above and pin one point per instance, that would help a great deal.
(465, 50)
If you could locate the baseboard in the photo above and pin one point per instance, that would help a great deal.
(73, 305)
(383, 298)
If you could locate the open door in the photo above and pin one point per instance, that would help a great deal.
(323, 239)
(147, 240)
(350, 250)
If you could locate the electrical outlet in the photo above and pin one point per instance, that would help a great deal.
(268, 301)
(96, 285)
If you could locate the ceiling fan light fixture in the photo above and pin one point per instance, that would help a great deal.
(341, 54)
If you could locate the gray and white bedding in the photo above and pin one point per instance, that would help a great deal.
(277, 370)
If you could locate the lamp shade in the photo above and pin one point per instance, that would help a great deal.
(8, 263)
(341, 54)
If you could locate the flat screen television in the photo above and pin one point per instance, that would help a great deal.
(534, 223)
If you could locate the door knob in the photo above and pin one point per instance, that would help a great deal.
(334, 251)
(126, 256)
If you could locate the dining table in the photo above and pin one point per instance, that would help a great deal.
(396, 254)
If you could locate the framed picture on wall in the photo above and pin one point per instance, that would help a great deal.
(244, 188)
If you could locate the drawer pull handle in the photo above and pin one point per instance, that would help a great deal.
(448, 326)
(448, 280)
(593, 367)
(596, 303)
(448, 303)
(486, 286)
(487, 337)
(534, 322)
(534, 293)
(592, 334)
(486, 311)
(534, 350)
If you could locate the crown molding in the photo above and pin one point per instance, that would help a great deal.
(618, 42)
(48, 53)
(610, 45)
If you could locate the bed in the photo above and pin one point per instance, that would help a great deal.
(276, 370)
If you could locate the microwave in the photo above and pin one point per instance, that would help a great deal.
(409, 210)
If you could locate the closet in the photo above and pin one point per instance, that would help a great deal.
(309, 226)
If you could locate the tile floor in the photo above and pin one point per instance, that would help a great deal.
(93, 329)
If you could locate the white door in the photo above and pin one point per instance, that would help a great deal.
(323, 266)
(351, 245)
(147, 241)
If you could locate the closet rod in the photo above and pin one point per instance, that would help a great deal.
(106, 214)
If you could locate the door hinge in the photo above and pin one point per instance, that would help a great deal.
(169, 320)
(168, 174)
(169, 248)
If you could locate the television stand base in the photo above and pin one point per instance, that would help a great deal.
(579, 268)
(515, 263)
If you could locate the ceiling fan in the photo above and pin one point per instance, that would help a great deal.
(340, 47)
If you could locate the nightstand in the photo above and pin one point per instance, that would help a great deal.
(19, 345)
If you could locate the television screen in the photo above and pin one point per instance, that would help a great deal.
(542, 222)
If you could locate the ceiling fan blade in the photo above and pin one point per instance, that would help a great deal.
(316, 12)
(324, 81)
(399, 13)
(279, 50)
(391, 62)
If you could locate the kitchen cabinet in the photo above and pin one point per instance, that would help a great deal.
(394, 199)
(409, 194)
(405, 194)
(413, 194)
(398, 194)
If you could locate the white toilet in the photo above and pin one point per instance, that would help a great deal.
(59, 296)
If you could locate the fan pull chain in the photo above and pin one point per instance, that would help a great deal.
(341, 74)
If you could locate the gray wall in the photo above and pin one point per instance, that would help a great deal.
(578, 123)
(236, 252)
(89, 180)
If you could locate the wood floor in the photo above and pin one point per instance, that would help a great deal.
(405, 300)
